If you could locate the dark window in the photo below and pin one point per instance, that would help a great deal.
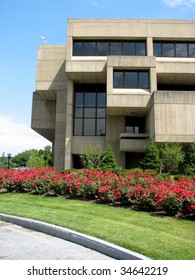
(102, 48)
(89, 48)
(174, 49)
(143, 80)
(101, 127)
(181, 50)
(79, 112)
(101, 101)
(90, 99)
(141, 48)
(89, 127)
(78, 48)
(168, 49)
(191, 49)
(115, 48)
(129, 48)
(79, 99)
(78, 126)
(157, 49)
(90, 110)
(90, 113)
(108, 47)
(131, 79)
(118, 79)
(134, 125)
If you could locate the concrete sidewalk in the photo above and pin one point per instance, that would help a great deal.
(18, 243)
(30, 231)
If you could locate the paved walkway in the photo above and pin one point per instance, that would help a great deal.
(18, 243)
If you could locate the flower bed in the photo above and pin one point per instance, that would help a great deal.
(138, 189)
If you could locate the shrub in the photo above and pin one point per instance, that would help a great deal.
(138, 189)
(109, 159)
(151, 156)
(92, 157)
(190, 159)
(172, 156)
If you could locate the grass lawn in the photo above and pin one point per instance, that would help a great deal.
(157, 237)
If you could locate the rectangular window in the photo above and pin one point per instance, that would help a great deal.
(118, 79)
(140, 48)
(131, 79)
(168, 50)
(129, 48)
(143, 80)
(89, 48)
(109, 47)
(90, 110)
(101, 127)
(157, 49)
(135, 124)
(115, 48)
(89, 127)
(181, 50)
(173, 49)
(79, 99)
(78, 48)
(102, 48)
(78, 126)
(191, 49)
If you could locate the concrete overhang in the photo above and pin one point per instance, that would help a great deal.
(175, 71)
(128, 103)
(133, 145)
(49, 134)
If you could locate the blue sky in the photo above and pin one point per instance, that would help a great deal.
(23, 22)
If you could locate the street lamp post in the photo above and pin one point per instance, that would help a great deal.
(8, 160)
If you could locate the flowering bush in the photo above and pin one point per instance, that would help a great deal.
(135, 189)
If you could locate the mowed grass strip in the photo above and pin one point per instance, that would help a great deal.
(157, 237)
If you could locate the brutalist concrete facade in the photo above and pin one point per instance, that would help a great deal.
(116, 82)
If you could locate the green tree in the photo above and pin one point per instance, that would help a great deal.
(94, 158)
(109, 159)
(36, 160)
(91, 157)
(22, 158)
(190, 159)
(3, 161)
(151, 156)
(172, 156)
(40, 158)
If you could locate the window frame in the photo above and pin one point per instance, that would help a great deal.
(86, 115)
(137, 72)
(162, 42)
(109, 42)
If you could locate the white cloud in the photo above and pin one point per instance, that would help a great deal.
(16, 138)
(177, 3)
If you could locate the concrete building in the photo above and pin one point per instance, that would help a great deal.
(117, 82)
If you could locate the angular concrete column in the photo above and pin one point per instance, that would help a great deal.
(68, 129)
(59, 149)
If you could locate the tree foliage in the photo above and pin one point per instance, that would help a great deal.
(29, 158)
(22, 158)
(3, 161)
(94, 158)
(109, 159)
(190, 159)
(40, 158)
(172, 156)
(151, 156)
(91, 157)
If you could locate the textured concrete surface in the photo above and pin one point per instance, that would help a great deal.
(18, 243)
(87, 241)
